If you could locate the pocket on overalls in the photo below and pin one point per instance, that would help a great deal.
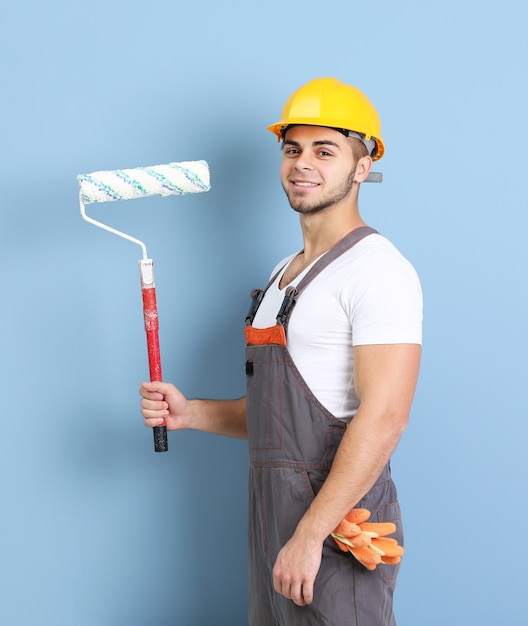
(391, 513)
(316, 479)
(382, 502)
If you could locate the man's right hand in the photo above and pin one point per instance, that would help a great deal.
(163, 404)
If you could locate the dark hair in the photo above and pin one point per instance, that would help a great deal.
(359, 149)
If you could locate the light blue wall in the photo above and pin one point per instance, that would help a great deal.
(96, 529)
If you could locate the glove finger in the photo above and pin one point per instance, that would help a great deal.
(388, 546)
(356, 516)
(390, 560)
(358, 541)
(379, 528)
(342, 546)
(347, 529)
(366, 556)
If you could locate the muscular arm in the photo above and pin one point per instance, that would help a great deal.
(163, 402)
(220, 417)
(385, 378)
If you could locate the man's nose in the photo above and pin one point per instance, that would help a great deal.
(304, 161)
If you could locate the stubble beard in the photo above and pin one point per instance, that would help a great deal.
(307, 207)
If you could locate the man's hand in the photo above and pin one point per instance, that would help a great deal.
(162, 404)
(296, 567)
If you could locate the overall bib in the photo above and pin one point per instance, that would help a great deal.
(292, 443)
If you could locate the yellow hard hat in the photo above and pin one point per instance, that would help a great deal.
(329, 102)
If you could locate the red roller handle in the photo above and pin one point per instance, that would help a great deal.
(150, 314)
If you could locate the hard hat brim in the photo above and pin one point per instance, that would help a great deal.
(277, 128)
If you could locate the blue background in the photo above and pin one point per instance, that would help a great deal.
(96, 529)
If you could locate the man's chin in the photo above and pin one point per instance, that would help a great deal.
(304, 209)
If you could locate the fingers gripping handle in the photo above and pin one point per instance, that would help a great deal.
(150, 314)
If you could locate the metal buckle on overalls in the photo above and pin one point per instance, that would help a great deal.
(287, 304)
(256, 299)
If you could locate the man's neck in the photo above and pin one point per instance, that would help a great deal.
(321, 231)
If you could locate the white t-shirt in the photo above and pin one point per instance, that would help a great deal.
(369, 295)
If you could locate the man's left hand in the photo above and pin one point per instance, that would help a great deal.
(295, 569)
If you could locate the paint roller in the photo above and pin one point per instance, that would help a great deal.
(163, 180)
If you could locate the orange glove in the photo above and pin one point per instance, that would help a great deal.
(367, 541)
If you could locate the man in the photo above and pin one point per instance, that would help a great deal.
(333, 351)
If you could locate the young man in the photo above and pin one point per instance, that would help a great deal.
(330, 378)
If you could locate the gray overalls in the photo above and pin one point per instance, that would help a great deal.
(292, 442)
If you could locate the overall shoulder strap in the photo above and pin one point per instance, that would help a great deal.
(292, 293)
(256, 298)
(340, 247)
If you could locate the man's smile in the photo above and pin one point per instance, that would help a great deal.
(304, 183)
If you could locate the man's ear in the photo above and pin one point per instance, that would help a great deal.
(363, 167)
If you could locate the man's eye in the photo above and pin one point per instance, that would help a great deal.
(324, 153)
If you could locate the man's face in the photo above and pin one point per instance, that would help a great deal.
(317, 169)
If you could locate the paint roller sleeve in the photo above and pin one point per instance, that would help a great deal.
(163, 180)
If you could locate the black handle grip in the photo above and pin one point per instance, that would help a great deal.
(160, 439)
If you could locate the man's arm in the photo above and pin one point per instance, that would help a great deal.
(164, 403)
(385, 379)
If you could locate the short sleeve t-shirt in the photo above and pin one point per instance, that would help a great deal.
(371, 294)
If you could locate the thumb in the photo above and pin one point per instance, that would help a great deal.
(156, 387)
